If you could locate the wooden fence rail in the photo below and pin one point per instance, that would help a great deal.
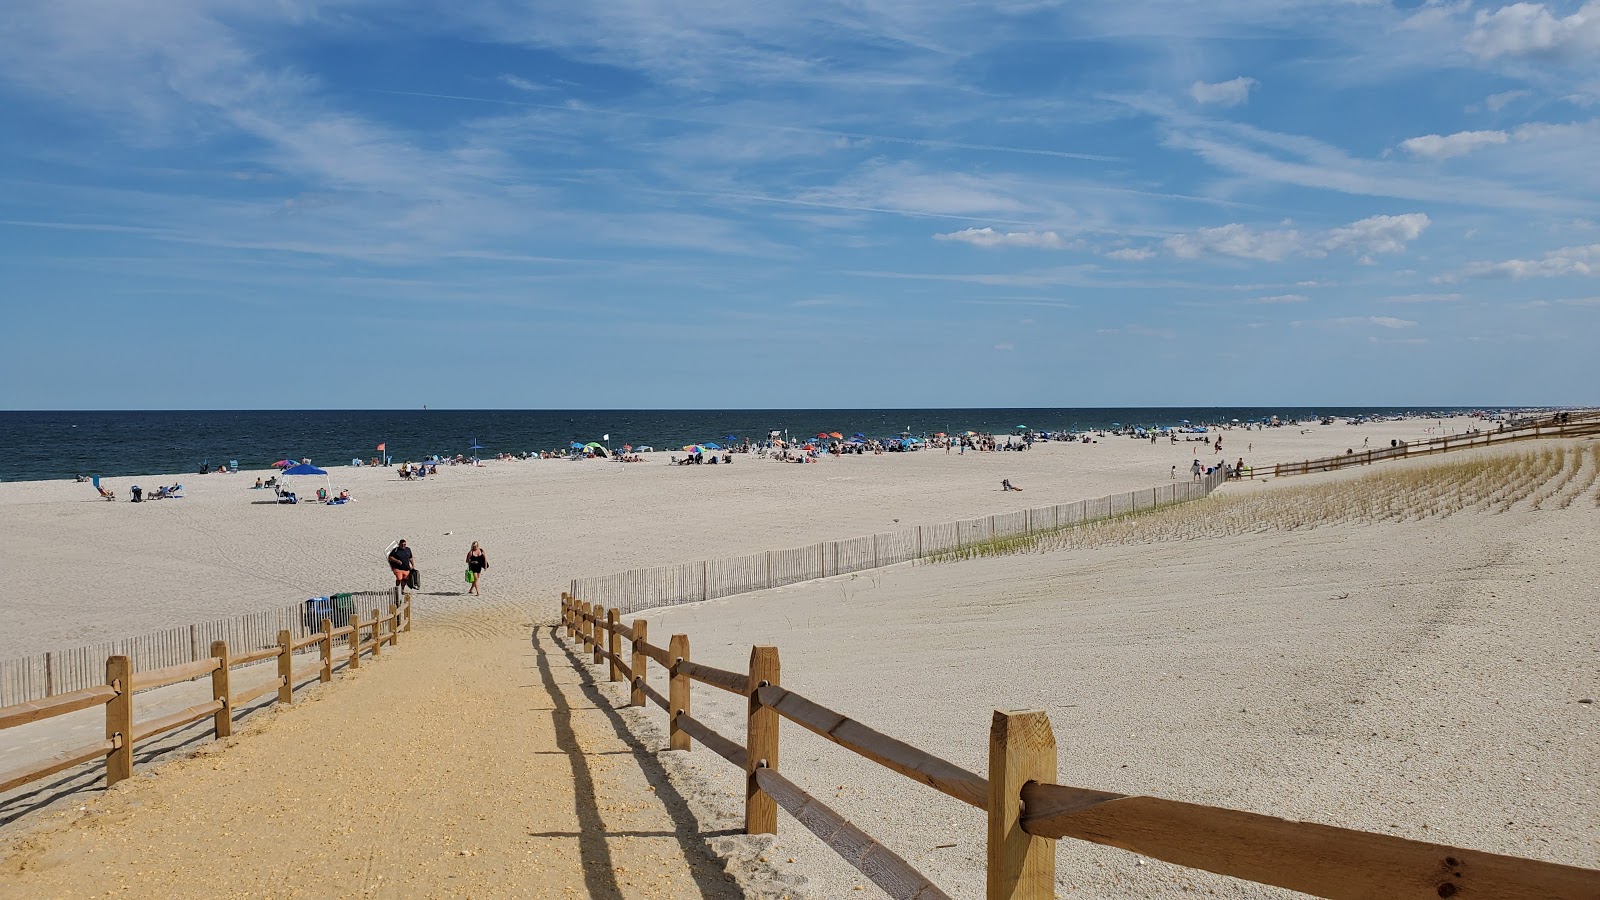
(1027, 812)
(121, 681)
(60, 671)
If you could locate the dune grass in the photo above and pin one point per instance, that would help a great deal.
(1544, 478)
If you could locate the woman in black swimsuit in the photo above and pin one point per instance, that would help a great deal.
(477, 562)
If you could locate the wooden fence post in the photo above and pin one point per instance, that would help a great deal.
(613, 645)
(394, 625)
(327, 651)
(119, 719)
(377, 634)
(641, 631)
(355, 639)
(408, 612)
(566, 613)
(286, 666)
(1022, 748)
(584, 625)
(761, 743)
(677, 693)
(599, 634)
(223, 721)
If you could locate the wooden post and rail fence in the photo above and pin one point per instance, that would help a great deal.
(1027, 812)
(1584, 424)
(123, 732)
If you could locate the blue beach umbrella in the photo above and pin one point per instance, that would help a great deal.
(711, 446)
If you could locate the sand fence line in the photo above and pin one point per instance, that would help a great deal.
(1026, 811)
(1583, 423)
(62, 671)
(639, 589)
(115, 694)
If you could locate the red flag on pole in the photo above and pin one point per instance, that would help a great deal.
(383, 446)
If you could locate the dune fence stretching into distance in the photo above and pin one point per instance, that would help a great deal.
(638, 589)
(60, 671)
(1026, 811)
(121, 682)
(1559, 425)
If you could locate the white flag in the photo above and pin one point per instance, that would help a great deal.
(605, 437)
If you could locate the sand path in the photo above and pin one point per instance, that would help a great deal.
(472, 762)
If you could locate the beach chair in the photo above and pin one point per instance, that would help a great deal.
(105, 493)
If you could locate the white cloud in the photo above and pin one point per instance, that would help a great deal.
(1223, 93)
(1497, 102)
(1130, 254)
(1529, 30)
(1435, 146)
(1423, 298)
(1373, 339)
(1278, 299)
(1347, 321)
(1372, 235)
(1566, 261)
(988, 237)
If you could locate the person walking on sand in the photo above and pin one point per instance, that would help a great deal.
(400, 560)
(477, 563)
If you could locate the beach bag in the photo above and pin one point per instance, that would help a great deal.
(415, 580)
(471, 577)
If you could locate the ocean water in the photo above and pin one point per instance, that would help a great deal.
(42, 445)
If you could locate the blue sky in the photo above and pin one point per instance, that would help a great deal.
(219, 204)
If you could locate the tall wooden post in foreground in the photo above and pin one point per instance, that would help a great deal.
(641, 631)
(677, 693)
(584, 625)
(119, 719)
(286, 666)
(377, 634)
(223, 720)
(599, 634)
(327, 651)
(1022, 748)
(761, 744)
(613, 645)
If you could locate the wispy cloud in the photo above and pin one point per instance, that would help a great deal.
(988, 237)
(1278, 299)
(1435, 146)
(1532, 30)
(1349, 321)
(1223, 93)
(1366, 237)
(1565, 261)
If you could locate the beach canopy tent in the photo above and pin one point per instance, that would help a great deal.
(308, 469)
(596, 449)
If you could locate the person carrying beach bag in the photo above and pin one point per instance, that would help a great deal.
(477, 564)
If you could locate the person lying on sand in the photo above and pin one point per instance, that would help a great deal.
(1005, 485)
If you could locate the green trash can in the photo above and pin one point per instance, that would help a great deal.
(344, 607)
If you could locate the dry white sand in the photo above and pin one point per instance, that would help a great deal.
(1420, 679)
(80, 570)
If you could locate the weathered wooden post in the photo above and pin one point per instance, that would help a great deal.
(119, 719)
(355, 640)
(614, 645)
(677, 693)
(641, 631)
(584, 625)
(761, 743)
(566, 613)
(327, 651)
(223, 720)
(599, 634)
(394, 625)
(1022, 748)
(377, 634)
(408, 613)
(286, 666)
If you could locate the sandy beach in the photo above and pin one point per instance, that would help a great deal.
(82, 570)
(1416, 669)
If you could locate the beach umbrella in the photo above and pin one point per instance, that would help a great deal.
(809, 447)
(939, 434)
(711, 446)
(858, 434)
(694, 448)
(836, 435)
(576, 445)
(730, 438)
(475, 448)
(1023, 427)
(282, 464)
(822, 434)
